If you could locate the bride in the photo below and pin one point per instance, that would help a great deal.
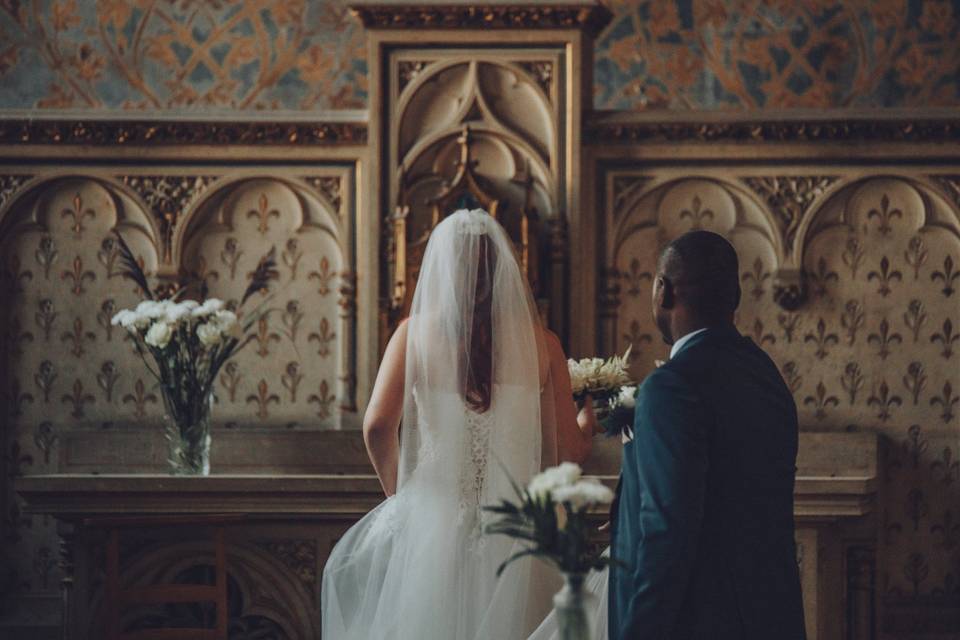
(472, 392)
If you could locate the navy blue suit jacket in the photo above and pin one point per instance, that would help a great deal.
(703, 517)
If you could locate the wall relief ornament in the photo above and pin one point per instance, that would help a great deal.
(600, 131)
(591, 18)
(9, 185)
(168, 198)
(789, 198)
(153, 133)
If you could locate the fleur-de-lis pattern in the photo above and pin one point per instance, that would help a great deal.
(696, 212)
(821, 401)
(884, 276)
(822, 338)
(756, 278)
(323, 399)
(884, 338)
(323, 275)
(873, 346)
(324, 337)
(66, 366)
(139, 398)
(77, 276)
(635, 277)
(947, 277)
(263, 398)
(885, 214)
(822, 277)
(76, 213)
(78, 398)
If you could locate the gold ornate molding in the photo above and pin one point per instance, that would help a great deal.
(589, 17)
(896, 130)
(145, 132)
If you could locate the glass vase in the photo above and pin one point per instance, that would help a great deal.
(574, 607)
(188, 438)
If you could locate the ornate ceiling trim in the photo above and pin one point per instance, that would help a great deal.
(145, 132)
(839, 130)
(589, 17)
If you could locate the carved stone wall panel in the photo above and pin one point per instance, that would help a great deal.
(62, 365)
(294, 366)
(72, 388)
(872, 346)
(667, 210)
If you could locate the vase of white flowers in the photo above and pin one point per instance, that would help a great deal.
(184, 344)
(552, 517)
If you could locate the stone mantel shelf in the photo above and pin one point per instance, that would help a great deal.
(76, 496)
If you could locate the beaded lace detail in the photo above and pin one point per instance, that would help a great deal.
(479, 426)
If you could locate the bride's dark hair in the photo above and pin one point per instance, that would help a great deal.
(479, 387)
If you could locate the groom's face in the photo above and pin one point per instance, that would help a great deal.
(661, 315)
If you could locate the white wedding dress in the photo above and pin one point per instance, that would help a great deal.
(418, 567)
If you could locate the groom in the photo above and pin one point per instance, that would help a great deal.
(703, 519)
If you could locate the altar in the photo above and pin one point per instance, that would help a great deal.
(284, 526)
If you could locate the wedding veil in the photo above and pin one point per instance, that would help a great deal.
(419, 565)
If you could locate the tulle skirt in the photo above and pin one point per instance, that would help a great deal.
(418, 568)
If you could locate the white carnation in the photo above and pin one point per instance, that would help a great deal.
(627, 398)
(209, 307)
(130, 320)
(209, 334)
(228, 323)
(151, 309)
(124, 317)
(546, 481)
(159, 335)
(582, 494)
(177, 312)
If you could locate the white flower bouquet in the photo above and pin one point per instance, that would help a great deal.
(608, 384)
(599, 378)
(552, 516)
(184, 344)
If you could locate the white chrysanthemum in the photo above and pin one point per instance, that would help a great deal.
(627, 397)
(209, 307)
(582, 493)
(209, 334)
(159, 335)
(190, 304)
(547, 480)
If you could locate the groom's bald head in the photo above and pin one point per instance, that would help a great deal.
(700, 272)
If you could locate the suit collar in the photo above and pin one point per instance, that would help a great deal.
(710, 333)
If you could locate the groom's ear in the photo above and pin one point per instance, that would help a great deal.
(666, 296)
